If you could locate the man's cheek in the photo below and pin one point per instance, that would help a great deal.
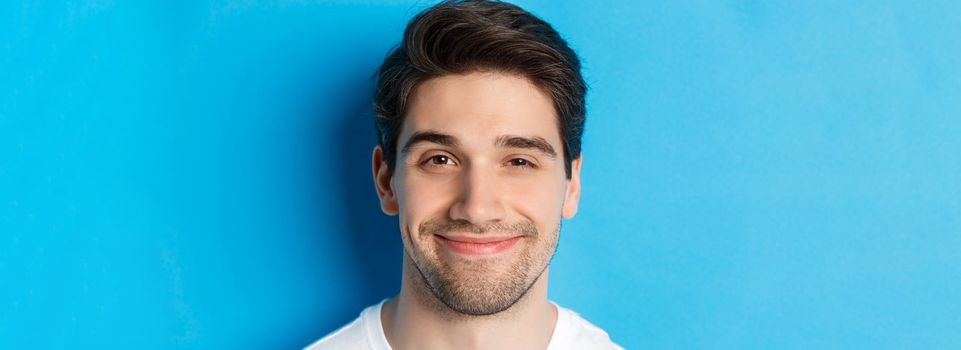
(535, 201)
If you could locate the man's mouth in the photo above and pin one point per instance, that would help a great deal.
(477, 245)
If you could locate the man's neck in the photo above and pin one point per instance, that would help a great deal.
(415, 319)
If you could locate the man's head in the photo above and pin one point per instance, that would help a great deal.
(480, 112)
(457, 37)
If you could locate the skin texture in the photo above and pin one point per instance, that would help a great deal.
(479, 167)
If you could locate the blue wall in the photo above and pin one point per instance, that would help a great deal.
(758, 174)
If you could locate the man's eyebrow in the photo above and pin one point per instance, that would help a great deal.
(428, 136)
(536, 143)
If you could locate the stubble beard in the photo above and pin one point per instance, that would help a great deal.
(471, 287)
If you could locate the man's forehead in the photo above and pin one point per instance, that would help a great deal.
(480, 108)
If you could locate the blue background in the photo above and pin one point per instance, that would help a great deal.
(758, 174)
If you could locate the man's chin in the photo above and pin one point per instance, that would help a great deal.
(478, 289)
(481, 300)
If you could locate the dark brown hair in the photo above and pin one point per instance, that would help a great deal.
(456, 37)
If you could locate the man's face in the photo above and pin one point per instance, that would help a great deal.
(480, 188)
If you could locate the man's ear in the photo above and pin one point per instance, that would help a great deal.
(382, 177)
(573, 194)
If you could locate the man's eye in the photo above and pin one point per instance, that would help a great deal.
(521, 162)
(439, 160)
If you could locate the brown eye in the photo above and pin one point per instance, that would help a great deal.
(521, 162)
(439, 160)
(438, 164)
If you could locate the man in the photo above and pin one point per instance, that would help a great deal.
(479, 112)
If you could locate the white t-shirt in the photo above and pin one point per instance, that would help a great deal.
(366, 332)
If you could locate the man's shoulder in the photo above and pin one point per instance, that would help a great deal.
(571, 332)
(355, 335)
(347, 337)
(580, 333)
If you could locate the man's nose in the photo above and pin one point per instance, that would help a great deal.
(479, 200)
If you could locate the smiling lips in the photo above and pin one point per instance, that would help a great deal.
(478, 245)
